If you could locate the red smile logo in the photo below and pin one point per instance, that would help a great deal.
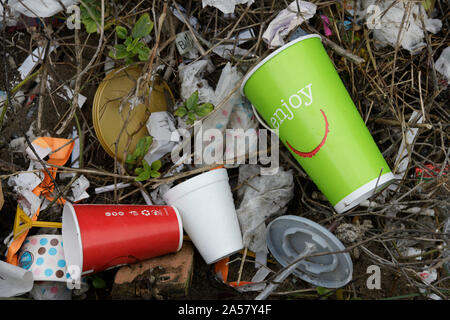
(313, 152)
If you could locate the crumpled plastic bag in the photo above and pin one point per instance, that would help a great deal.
(262, 197)
(40, 8)
(386, 24)
(192, 79)
(286, 21)
(226, 6)
(14, 281)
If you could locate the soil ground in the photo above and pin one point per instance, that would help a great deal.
(394, 282)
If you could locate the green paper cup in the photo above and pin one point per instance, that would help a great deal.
(297, 90)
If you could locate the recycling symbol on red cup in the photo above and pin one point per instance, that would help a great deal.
(145, 212)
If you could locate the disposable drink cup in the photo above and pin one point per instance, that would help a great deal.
(43, 255)
(297, 91)
(209, 217)
(100, 236)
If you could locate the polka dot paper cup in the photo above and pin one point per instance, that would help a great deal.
(43, 255)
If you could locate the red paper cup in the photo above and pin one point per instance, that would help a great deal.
(97, 237)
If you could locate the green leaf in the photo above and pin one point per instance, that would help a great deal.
(144, 53)
(156, 165)
(204, 109)
(129, 60)
(90, 25)
(180, 112)
(91, 10)
(143, 27)
(121, 32)
(155, 174)
(118, 52)
(138, 171)
(98, 283)
(142, 146)
(130, 159)
(191, 102)
(323, 291)
(191, 116)
(145, 175)
(147, 167)
(131, 47)
(128, 41)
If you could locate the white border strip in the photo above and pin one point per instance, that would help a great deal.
(364, 192)
(270, 56)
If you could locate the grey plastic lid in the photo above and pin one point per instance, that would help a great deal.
(286, 238)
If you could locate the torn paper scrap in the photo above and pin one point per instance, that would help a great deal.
(41, 151)
(227, 51)
(79, 188)
(160, 126)
(109, 65)
(192, 20)
(157, 194)
(29, 202)
(40, 8)
(32, 60)
(244, 36)
(68, 93)
(442, 64)
(23, 184)
(286, 21)
(385, 19)
(226, 6)
(11, 17)
(14, 281)
(428, 276)
(26, 180)
(192, 79)
(76, 148)
(412, 252)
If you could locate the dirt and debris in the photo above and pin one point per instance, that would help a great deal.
(386, 82)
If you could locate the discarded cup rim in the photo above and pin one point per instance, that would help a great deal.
(337, 273)
(364, 192)
(197, 182)
(270, 56)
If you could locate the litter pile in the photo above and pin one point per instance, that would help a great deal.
(140, 153)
